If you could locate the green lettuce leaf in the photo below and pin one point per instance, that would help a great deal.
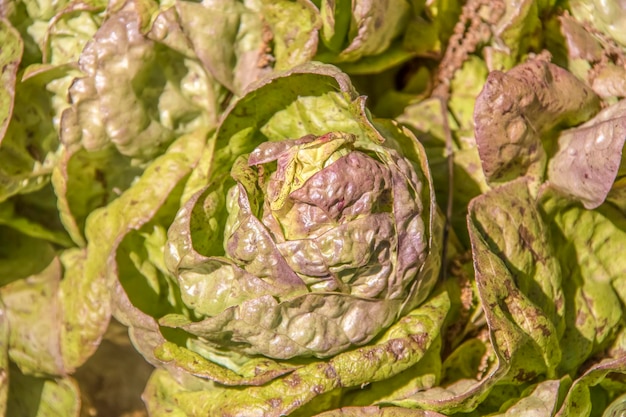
(4, 361)
(364, 29)
(593, 294)
(275, 268)
(580, 400)
(539, 400)
(138, 122)
(374, 411)
(402, 346)
(92, 272)
(516, 32)
(41, 397)
(34, 316)
(605, 16)
(10, 58)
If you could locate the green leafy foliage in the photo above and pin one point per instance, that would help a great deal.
(312, 207)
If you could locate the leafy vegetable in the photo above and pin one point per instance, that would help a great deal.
(312, 207)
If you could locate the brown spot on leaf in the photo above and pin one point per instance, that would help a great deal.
(397, 349)
(293, 380)
(330, 371)
(420, 339)
(522, 375)
(275, 402)
(318, 389)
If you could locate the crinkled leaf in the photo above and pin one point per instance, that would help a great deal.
(540, 400)
(70, 30)
(256, 371)
(516, 109)
(16, 255)
(579, 401)
(28, 148)
(13, 214)
(605, 16)
(372, 27)
(315, 324)
(402, 346)
(374, 411)
(516, 32)
(4, 359)
(588, 244)
(138, 104)
(10, 57)
(34, 316)
(519, 279)
(39, 397)
(84, 289)
(589, 157)
(294, 26)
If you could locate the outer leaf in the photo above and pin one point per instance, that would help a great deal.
(589, 245)
(85, 181)
(375, 411)
(13, 213)
(31, 140)
(540, 400)
(578, 402)
(529, 293)
(295, 27)
(515, 32)
(589, 157)
(4, 360)
(373, 27)
(139, 122)
(518, 278)
(16, 250)
(39, 397)
(84, 290)
(34, 316)
(256, 372)
(402, 346)
(515, 109)
(422, 376)
(606, 16)
(158, 395)
(10, 57)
